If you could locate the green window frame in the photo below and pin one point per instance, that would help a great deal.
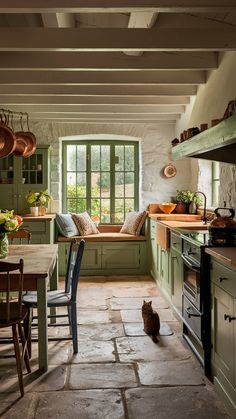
(215, 183)
(102, 178)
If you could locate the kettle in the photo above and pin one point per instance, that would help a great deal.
(222, 229)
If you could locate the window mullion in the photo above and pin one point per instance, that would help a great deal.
(88, 177)
(112, 182)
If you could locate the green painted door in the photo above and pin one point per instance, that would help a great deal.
(164, 270)
(223, 333)
(121, 256)
(92, 257)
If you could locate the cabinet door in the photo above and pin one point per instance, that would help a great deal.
(176, 273)
(121, 256)
(223, 332)
(8, 182)
(91, 257)
(33, 176)
(154, 259)
(164, 270)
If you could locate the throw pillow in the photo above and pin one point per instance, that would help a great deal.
(66, 225)
(84, 224)
(133, 223)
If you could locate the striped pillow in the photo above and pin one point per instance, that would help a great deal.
(133, 223)
(84, 224)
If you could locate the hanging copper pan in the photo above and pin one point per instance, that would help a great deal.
(7, 138)
(25, 142)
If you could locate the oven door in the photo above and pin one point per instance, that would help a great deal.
(191, 283)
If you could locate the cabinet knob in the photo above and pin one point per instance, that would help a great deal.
(222, 278)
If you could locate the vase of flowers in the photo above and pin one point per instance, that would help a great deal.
(38, 202)
(43, 199)
(8, 224)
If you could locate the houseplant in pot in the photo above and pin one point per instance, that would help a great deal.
(32, 200)
(183, 199)
(43, 200)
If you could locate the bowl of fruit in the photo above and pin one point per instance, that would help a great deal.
(167, 207)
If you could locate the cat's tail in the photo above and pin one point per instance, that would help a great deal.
(154, 339)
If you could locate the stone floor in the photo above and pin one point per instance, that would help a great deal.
(119, 372)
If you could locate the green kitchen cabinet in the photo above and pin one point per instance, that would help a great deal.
(153, 250)
(223, 286)
(176, 272)
(164, 270)
(41, 228)
(19, 175)
(108, 258)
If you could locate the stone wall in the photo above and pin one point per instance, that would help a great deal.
(155, 148)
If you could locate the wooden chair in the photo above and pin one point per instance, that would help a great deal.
(21, 235)
(66, 298)
(12, 313)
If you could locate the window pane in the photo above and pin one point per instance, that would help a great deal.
(71, 153)
(95, 157)
(129, 184)
(119, 157)
(119, 185)
(95, 209)
(129, 157)
(129, 205)
(81, 158)
(105, 211)
(105, 185)
(95, 185)
(105, 157)
(81, 184)
(81, 205)
(72, 205)
(71, 184)
(119, 210)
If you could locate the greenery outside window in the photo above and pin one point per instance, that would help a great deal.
(101, 177)
(215, 183)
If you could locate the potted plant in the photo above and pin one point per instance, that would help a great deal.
(183, 199)
(43, 199)
(32, 200)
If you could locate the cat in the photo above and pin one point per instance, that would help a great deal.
(151, 320)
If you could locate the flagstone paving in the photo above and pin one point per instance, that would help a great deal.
(119, 372)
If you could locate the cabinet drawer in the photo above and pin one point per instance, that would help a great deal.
(176, 242)
(224, 277)
(35, 226)
(153, 226)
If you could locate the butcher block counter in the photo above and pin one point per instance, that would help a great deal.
(166, 222)
(226, 255)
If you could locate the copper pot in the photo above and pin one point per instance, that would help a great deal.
(7, 138)
(25, 142)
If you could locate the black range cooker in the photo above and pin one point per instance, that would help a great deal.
(196, 304)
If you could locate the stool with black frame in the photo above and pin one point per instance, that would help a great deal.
(58, 298)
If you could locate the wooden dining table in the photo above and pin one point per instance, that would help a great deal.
(40, 272)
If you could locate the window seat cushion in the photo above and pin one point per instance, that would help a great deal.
(106, 237)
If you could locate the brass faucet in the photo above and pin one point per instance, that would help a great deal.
(204, 217)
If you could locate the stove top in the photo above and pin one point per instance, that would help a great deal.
(203, 238)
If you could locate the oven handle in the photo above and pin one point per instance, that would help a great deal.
(188, 262)
(192, 314)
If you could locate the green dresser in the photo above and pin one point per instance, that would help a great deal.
(41, 228)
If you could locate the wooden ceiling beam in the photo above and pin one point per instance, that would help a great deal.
(68, 61)
(103, 109)
(23, 100)
(116, 6)
(104, 117)
(103, 77)
(117, 39)
(91, 91)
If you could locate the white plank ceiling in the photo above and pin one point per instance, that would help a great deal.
(110, 61)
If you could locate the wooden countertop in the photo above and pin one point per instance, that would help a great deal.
(174, 217)
(28, 217)
(225, 254)
(187, 225)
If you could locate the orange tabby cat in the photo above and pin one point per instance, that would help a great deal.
(151, 320)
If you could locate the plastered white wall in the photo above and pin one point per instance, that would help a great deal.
(210, 103)
(155, 148)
